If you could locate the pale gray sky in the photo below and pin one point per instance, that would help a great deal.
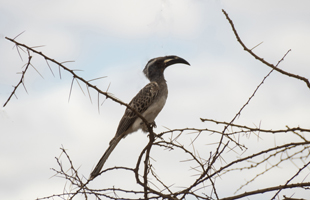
(116, 39)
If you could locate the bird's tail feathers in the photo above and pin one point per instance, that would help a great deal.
(104, 158)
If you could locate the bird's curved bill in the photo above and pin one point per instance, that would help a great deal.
(170, 60)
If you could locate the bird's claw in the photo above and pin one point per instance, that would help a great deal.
(153, 124)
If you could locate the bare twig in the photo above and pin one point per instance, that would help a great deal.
(261, 59)
(288, 181)
(269, 189)
(21, 81)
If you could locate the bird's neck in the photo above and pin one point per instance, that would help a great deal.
(158, 79)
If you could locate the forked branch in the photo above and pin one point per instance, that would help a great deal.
(75, 76)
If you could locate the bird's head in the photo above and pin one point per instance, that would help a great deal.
(154, 69)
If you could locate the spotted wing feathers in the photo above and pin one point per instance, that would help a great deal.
(140, 103)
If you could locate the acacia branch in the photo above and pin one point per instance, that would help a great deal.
(295, 175)
(75, 76)
(269, 189)
(251, 129)
(218, 151)
(251, 157)
(261, 59)
(21, 79)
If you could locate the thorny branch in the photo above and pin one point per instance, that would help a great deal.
(210, 169)
(21, 81)
(245, 129)
(75, 76)
(261, 59)
(219, 151)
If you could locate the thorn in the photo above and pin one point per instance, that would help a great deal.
(256, 46)
(59, 71)
(106, 92)
(49, 67)
(71, 89)
(37, 46)
(98, 103)
(80, 86)
(36, 70)
(18, 35)
(67, 61)
(19, 53)
(24, 86)
(96, 78)
(89, 95)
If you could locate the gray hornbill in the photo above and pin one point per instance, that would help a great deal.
(149, 102)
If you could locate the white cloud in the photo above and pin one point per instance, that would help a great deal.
(121, 18)
(139, 18)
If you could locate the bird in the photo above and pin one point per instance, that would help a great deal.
(148, 102)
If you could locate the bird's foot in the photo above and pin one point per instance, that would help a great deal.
(145, 127)
(153, 124)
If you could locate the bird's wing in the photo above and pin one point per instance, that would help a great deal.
(140, 103)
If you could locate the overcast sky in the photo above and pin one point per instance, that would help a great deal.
(116, 39)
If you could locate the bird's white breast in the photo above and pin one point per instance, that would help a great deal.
(150, 114)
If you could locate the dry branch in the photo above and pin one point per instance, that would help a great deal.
(261, 59)
(21, 81)
(75, 76)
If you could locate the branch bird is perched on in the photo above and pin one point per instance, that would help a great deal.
(148, 102)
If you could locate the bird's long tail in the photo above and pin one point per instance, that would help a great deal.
(104, 158)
